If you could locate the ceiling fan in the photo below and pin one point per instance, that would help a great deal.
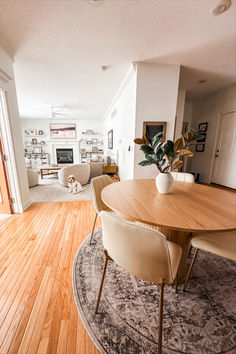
(53, 112)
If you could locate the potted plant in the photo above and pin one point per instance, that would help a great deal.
(165, 154)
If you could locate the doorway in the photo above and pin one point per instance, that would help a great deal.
(5, 206)
(224, 171)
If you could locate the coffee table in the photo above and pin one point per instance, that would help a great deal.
(49, 170)
(188, 208)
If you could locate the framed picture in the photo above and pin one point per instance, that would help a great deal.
(150, 129)
(200, 147)
(37, 150)
(32, 132)
(202, 138)
(203, 126)
(62, 131)
(94, 149)
(34, 141)
(40, 132)
(94, 141)
(110, 139)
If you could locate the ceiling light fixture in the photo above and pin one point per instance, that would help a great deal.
(221, 7)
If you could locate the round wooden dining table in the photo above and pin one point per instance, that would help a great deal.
(189, 208)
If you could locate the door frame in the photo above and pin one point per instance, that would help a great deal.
(220, 115)
(8, 149)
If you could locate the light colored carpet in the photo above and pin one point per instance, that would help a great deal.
(50, 190)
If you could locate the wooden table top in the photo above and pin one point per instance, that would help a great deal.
(189, 207)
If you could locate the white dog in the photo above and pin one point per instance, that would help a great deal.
(74, 186)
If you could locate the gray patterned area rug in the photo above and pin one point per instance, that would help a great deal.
(201, 320)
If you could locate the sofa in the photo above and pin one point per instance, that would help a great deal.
(32, 178)
(81, 172)
(96, 169)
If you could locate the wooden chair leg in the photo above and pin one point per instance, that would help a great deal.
(190, 269)
(91, 237)
(102, 281)
(160, 318)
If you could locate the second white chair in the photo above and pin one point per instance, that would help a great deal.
(97, 184)
(183, 176)
(221, 244)
(143, 252)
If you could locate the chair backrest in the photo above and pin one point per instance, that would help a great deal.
(81, 172)
(98, 183)
(182, 176)
(144, 252)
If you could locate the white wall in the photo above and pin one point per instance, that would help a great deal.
(208, 110)
(120, 117)
(180, 113)
(20, 187)
(157, 91)
(43, 124)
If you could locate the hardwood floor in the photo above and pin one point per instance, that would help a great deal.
(37, 309)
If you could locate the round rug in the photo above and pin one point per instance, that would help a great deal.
(201, 320)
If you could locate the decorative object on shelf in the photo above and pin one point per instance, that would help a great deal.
(89, 132)
(29, 149)
(110, 139)
(200, 148)
(108, 160)
(150, 129)
(40, 132)
(26, 132)
(62, 131)
(34, 141)
(32, 132)
(94, 141)
(94, 149)
(88, 142)
(164, 155)
(37, 150)
(203, 127)
(42, 142)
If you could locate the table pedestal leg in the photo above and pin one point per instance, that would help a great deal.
(183, 240)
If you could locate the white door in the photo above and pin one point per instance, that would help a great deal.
(224, 172)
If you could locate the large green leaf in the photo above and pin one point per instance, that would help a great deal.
(185, 152)
(147, 149)
(145, 163)
(177, 165)
(139, 141)
(151, 157)
(169, 148)
(156, 139)
(178, 144)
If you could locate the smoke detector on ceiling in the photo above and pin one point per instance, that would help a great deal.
(222, 6)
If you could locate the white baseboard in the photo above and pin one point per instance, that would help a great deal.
(26, 205)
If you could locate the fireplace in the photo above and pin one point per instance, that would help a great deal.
(64, 156)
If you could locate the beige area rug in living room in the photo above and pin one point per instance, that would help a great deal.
(50, 190)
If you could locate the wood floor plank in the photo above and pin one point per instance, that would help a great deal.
(37, 253)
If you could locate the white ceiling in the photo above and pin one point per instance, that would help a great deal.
(59, 47)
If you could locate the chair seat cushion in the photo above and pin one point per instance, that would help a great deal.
(222, 244)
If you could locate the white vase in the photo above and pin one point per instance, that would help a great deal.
(164, 182)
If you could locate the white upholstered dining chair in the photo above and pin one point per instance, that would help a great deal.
(97, 184)
(183, 176)
(222, 244)
(144, 252)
